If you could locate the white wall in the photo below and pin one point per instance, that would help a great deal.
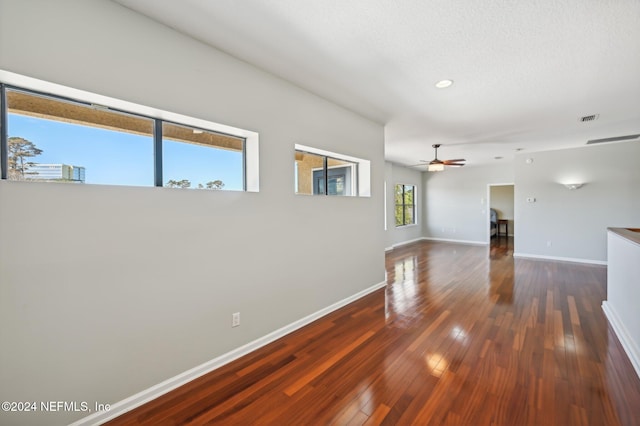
(501, 200)
(456, 202)
(148, 289)
(395, 174)
(575, 222)
(623, 293)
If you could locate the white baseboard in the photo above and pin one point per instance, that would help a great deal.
(160, 389)
(404, 243)
(445, 240)
(448, 240)
(561, 259)
(630, 347)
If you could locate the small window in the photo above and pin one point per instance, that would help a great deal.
(201, 159)
(405, 205)
(317, 174)
(56, 140)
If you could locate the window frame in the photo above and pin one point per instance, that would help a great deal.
(352, 168)
(360, 171)
(159, 124)
(4, 111)
(35, 87)
(404, 205)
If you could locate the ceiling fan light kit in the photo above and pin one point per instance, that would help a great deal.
(438, 165)
(573, 186)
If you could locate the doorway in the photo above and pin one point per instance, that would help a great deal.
(500, 212)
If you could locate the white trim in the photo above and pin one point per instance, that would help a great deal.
(404, 243)
(318, 151)
(408, 225)
(252, 162)
(415, 240)
(168, 385)
(386, 213)
(488, 206)
(448, 240)
(561, 259)
(622, 334)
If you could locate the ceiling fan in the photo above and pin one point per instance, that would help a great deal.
(436, 165)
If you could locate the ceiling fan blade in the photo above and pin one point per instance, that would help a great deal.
(440, 163)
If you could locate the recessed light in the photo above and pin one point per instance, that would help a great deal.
(443, 84)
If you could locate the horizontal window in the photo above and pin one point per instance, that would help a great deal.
(52, 138)
(318, 172)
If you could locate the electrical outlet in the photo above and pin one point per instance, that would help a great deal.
(549, 244)
(235, 319)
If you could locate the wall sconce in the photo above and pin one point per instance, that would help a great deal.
(573, 186)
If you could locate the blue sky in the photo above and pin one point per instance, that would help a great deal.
(118, 158)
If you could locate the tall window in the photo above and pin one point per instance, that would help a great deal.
(54, 139)
(405, 205)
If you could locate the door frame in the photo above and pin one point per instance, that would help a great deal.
(488, 211)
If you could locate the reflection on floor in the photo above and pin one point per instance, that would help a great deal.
(461, 335)
(501, 246)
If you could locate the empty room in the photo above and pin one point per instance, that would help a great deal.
(298, 213)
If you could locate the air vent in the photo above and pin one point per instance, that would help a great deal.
(616, 139)
(589, 117)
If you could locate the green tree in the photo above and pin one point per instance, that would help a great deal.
(215, 184)
(404, 203)
(18, 150)
(184, 183)
(399, 206)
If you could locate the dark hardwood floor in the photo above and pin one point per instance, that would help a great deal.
(462, 335)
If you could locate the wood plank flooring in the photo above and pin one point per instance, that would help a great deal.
(462, 335)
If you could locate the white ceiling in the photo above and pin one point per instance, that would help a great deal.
(523, 71)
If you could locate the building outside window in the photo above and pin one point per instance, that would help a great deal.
(54, 173)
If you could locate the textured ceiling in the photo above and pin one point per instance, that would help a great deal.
(523, 71)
